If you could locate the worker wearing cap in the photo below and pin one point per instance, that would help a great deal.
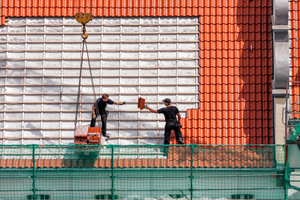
(101, 104)
(170, 113)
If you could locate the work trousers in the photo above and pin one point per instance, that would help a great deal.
(103, 122)
(168, 128)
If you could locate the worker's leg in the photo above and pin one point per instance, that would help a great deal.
(93, 121)
(167, 134)
(178, 134)
(103, 120)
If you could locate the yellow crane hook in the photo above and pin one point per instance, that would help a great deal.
(83, 18)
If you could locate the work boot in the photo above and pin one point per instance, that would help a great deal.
(106, 135)
(180, 141)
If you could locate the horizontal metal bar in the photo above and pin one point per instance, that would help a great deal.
(89, 102)
(146, 146)
(73, 190)
(13, 176)
(152, 189)
(96, 50)
(101, 33)
(72, 120)
(226, 176)
(97, 42)
(70, 111)
(111, 85)
(98, 59)
(139, 190)
(72, 154)
(92, 176)
(19, 190)
(74, 176)
(98, 76)
(260, 188)
(290, 81)
(106, 67)
(111, 137)
(121, 93)
(103, 24)
(117, 128)
(187, 169)
(58, 190)
(212, 176)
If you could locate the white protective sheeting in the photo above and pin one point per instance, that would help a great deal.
(150, 57)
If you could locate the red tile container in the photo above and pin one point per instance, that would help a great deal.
(80, 136)
(94, 135)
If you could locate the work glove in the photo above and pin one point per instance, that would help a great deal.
(178, 124)
(123, 103)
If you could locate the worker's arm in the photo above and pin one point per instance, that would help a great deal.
(179, 116)
(151, 110)
(119, 102)
(93, 110)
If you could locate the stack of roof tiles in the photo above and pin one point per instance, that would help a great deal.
(87, 135)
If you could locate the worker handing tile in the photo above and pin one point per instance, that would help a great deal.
(99, 109)
(170, 113)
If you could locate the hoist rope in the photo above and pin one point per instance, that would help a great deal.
(91, 76)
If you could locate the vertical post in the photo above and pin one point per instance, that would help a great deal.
(286, 172)
(286, 112)
(33, 171)
(112, 172)
(286, 191)
(192, 175)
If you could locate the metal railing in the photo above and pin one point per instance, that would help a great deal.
(140, 171)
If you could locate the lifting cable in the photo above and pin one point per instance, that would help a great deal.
(84, 18)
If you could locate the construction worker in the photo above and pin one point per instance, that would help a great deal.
(101, 104)
(172, 123)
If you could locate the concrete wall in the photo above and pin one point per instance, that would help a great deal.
(279, 103)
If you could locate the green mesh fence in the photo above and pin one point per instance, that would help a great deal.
(294, 130)
(292, 171)
(142, 172)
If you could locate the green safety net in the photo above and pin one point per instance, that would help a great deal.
(294, 132)
(138, 172)
(292, 172)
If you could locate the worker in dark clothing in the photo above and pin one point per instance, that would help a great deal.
(172, 123)
(99, 109)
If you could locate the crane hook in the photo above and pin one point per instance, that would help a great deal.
(83, 18)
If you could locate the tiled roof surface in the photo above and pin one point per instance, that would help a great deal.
(216, 157)
(234, 58)
(108, 8)
(294, 50)
(234, 75)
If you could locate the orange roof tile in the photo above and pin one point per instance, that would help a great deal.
(108, 8)
(234, 75)
(294, 51)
